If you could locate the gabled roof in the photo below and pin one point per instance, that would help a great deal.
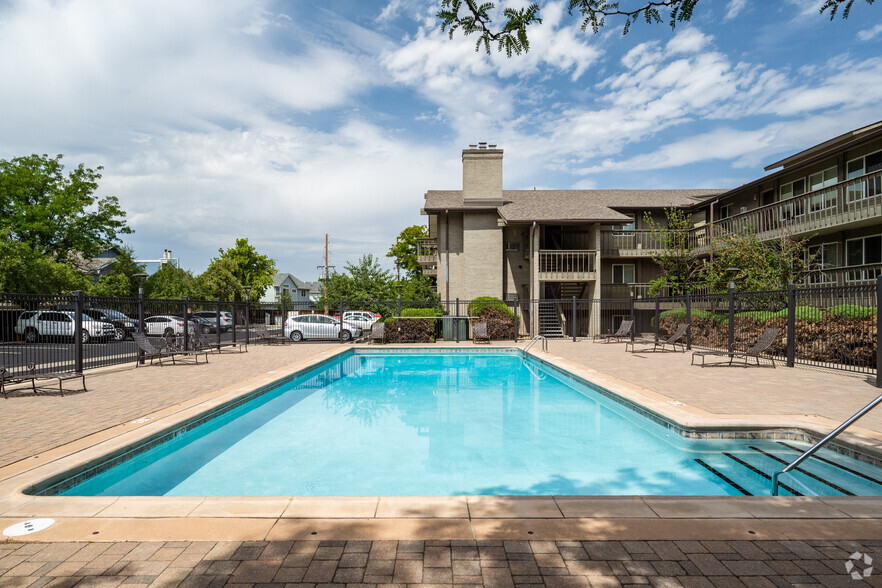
(571, 205)
(280, 278)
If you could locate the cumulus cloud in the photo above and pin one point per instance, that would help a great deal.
(871, 33)
(735, 8)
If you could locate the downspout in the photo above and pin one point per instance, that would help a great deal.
(447, 256)
(530, 304)
(712, 231)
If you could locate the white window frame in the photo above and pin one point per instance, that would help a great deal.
(860, 190)
(791, 210)
(626, 230)
(725, 211)
(623, 266)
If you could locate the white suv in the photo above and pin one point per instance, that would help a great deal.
(39, 324)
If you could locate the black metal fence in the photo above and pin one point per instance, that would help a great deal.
(835, 327)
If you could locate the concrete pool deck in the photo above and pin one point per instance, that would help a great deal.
(50, 433)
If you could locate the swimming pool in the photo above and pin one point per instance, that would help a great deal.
(422, 423)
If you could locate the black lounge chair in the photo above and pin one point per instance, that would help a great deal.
(623, 332)
(206, 344)
(260, 332)
(479, 333)
(152, 352)
(378, 332)
(32, 376)
(761, 346)
(6, 378)
(662, 345)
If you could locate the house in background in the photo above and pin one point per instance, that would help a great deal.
(549, 245)
(297, 291)
(100, 265)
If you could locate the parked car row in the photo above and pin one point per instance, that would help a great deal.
(101, 324)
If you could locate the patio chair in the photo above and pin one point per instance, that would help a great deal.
(662, 345)
(260, 332)
(479, 333)
(623, 332)
(205, 343)
(761, 346)
(152, 352)
(378, 332)
(6, 378)
(62, 377)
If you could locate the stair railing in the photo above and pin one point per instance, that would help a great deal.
(814, 448)
(535, 340)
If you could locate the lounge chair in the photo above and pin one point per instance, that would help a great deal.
(32, 376)
(6, 378)
(152, 352)
(662, 345)
(260, 332)
(762, 344)
(479, 333)
(206, 344)
(378, 332)
(623, 332)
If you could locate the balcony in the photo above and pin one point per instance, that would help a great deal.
(851, 201)
(427, 252)
(567, 265)
(843, 276)
(644, 243)
(624, 291)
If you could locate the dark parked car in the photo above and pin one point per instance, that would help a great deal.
(123, 325)
(204, 325)
(226, 318)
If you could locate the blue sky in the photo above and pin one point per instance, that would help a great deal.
(283, 121)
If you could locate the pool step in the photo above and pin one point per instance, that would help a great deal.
(749, 472)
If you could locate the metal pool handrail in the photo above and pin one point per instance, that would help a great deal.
(536, 339)
(814, 448)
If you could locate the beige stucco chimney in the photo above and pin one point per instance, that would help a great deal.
(482, 175)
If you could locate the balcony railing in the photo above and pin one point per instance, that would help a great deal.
(844, 276)
(427, 252)
(643, 242)
(624, 290)
(567, 265)
(846, 202)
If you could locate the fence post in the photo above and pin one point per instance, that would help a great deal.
(688, 319)
(575, 323)
(218, 319)
(78, 332)
(657, 315)
(791, 325)
(247, 319)
(456, 321)
(341, 317)
(731, 346)
(633, 318)
(233, 308)
(516, 306)
(878, 332)
(186, 324)
(141, 320)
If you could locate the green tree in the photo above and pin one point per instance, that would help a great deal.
(682, 269)
(120, 280)
(763, 266)
(249, 267)
(511, 37)
(405, 250)
(23, 270)
(56, 214)
(219, 281)
(360, 282)
(170, 281)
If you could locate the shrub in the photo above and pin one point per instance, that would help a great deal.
(679, 315)
(852, 311)
(808, 314)
(477, 306)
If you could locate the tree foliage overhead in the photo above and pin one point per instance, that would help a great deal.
(511, 37)
(763, 265)
(405, 250)
(24, 271)
(248, 266)
(54, 213)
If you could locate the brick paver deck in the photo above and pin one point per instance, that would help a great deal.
(562, 564)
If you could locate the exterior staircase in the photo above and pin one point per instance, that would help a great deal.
(549, 321)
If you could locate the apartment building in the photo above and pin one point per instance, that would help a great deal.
(555, 244)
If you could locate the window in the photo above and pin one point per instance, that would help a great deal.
(866, 187)
(792, 190)
(626, 226)
(725, 211)
(623, 273)
(863, 251)
(822, 256)
(826, 198)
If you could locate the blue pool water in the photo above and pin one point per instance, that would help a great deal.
(416, 424)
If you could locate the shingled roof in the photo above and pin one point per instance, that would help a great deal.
(571, 205)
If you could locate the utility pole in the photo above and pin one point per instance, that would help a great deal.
(326, 269)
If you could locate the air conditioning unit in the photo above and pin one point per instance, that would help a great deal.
(743, 209)
(513, 246)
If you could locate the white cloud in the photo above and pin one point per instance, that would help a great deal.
(735, 8)
(869, 34)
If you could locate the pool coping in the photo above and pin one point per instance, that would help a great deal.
(448, 517)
